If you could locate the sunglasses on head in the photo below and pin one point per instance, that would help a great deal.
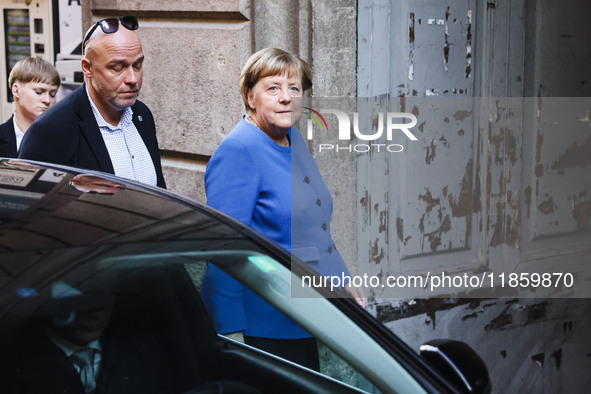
(111, 25)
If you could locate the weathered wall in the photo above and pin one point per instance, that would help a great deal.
(496, 183)
(529, 345)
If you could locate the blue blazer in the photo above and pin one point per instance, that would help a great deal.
(279, 192)
(8, 139)
(68, 134)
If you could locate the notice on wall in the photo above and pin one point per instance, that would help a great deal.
(70, 17)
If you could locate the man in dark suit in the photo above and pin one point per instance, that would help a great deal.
(34, 83)
(127, 356)
(102, 126)
(130, 363)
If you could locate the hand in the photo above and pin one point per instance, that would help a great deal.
(237, 336)
(357, 294)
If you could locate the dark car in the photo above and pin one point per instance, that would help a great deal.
(92, 256)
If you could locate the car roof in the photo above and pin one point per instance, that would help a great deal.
(45, 207)
(54, 218)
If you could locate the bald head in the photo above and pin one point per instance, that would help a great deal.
(122, 38)
(113, 72)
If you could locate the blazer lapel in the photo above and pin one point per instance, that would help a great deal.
(146, 128)
(92, 133)
(97, 144)
(148, 136)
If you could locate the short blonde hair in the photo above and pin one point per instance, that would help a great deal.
(34, 69)
(269, 62)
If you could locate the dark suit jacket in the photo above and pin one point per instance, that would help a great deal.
(8, 139)
(131, 363)
(68, 134)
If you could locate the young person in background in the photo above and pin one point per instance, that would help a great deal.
(34, 83)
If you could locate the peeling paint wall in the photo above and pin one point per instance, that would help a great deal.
(529, 345)
(500, 179)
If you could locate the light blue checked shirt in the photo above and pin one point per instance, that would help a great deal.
(127, 150)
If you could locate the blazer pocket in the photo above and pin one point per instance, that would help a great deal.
(308, 254)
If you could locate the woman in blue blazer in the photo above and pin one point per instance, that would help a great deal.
(264, 175)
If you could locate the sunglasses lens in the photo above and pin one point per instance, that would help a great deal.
(109, 25)
(130, 22)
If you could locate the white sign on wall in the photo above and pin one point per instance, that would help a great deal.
(70, 17)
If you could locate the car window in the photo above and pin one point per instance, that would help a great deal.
(130, 318)
(333, 331)
(368, 361)
(331, 364)
(335, 367)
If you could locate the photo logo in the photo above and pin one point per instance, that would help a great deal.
(315, 115)
(391, 122)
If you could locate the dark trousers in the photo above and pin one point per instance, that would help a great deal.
(302, 351)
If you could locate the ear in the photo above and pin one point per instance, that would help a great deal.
(250, 97)
(15, 90)
(86, 67)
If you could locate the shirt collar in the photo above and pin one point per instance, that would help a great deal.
(126, 117)
(17, 133)
(68, 347)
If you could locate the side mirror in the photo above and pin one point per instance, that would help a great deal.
(459, 363)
